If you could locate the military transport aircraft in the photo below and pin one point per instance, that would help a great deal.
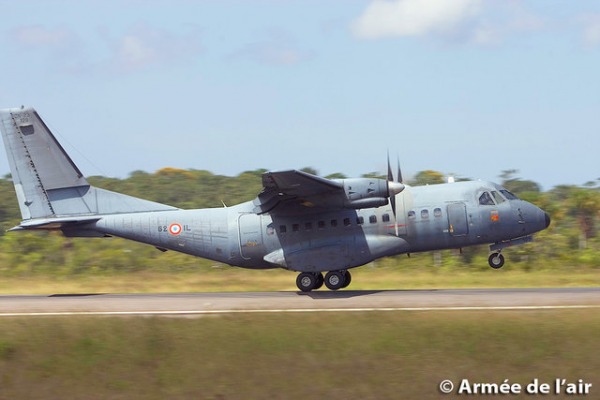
(299, 221)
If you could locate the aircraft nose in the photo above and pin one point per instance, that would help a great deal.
(548, 220)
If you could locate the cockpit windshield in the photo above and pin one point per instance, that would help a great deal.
(508, 195)
(486, 200)
(498, 197)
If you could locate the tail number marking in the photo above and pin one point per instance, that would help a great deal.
(173, 229)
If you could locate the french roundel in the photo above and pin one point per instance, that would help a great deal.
(174, 229)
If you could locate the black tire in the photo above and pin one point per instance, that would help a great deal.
(306, 281)
(496, 260)
(347, 279)
(335, 280)
(320, 281)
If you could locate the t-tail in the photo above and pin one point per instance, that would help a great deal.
(51, 190)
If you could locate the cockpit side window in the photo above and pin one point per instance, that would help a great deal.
(486, 200)
(498, 197)
(508, 195)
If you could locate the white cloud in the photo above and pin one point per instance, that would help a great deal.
(60, 49)
(471, 21)
(591, 30)
(385, 18)
(278, 49)
(144, 46)
(38, 36)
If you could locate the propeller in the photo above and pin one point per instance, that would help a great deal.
(395, 186)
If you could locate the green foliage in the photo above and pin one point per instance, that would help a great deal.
(428, 177)
(336, 175)
(517, 185)
(310, 170)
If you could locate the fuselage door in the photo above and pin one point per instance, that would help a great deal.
(251, 236)
(457, 219)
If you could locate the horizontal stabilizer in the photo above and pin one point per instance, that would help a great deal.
(55, 223)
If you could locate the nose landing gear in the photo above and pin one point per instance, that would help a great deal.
(496, 260)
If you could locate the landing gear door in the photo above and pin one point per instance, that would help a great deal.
(457, 219)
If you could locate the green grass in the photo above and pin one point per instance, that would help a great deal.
(393, 355)
(236, 279)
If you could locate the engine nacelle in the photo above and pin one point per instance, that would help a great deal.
(366, 203)
(368, 192)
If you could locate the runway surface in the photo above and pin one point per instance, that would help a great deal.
(318, 301)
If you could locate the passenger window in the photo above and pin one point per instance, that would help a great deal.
(321, 224)
(373, 219)
(412, 215)
(333, 223)
(308, 226)
(346, 221)
(437, 212)
(282, 229)
(295, 227)
(360, 220)
(486, 200)
(385, 217)
(499, 199)
(424, 214)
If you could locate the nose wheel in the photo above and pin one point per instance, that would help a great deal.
(496, 260)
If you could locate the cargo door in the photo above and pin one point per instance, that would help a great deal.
(457, 219)
(251, 236)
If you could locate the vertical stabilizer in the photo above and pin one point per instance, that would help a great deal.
(38, 162)
(47, 182)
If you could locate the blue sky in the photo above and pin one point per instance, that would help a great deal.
(469, 87)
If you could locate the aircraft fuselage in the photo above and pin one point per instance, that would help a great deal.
(431, 217)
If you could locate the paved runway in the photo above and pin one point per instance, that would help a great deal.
(318, 301)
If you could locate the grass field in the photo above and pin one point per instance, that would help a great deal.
(236, 279)
(393, 355)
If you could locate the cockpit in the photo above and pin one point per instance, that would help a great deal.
(495, 197)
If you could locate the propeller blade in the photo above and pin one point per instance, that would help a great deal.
(399, 176)
(393, 189)
(390, 176)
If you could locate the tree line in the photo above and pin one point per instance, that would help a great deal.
(571, 240)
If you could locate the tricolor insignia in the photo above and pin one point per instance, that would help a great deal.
(494, 216)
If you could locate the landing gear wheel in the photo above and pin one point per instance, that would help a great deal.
(496, 260)
(306, 281)
(320, 280)
(347, 279)
(335, 280)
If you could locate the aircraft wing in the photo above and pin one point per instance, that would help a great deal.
(289, 190)
(292, 192)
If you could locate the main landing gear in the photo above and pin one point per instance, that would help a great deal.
(334, 280)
